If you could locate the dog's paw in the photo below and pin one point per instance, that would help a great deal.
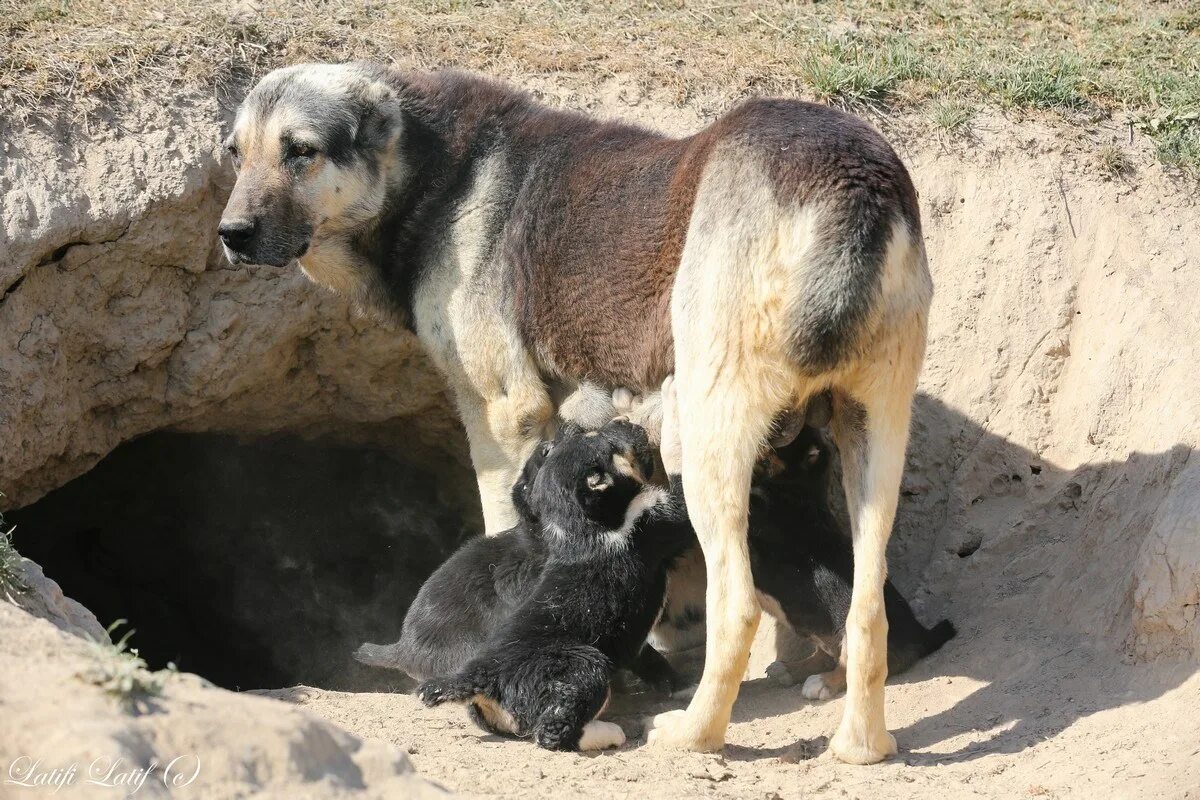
(600, 735)
(815, 688)
(676, 730)
(860, 747)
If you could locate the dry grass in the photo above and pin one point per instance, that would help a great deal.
(1139, 58)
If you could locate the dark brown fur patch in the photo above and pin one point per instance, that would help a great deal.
(596, 246)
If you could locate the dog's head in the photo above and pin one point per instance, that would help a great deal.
(316, 149)
(591, 481)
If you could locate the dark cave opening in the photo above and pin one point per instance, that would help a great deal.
(255, 564)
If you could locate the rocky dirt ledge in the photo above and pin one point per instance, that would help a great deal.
(195, 740)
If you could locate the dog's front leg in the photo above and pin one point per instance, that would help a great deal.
(502, 428)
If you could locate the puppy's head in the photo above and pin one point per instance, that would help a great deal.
(589, 481)
(805, 461)
(315, 148)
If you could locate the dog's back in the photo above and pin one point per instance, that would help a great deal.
(471, 594)
(461, 604)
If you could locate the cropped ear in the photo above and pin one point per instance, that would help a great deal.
(380, 119)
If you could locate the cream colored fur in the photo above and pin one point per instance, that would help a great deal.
(499, 393)
(743, 268)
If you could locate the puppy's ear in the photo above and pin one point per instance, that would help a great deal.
(819, 411)
(599, 481)
(380, 119)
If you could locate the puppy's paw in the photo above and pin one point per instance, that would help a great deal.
(815, 688)
(436, 691)
(676, 730)
(600, 735)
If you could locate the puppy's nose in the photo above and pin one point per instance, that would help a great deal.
(236, 233)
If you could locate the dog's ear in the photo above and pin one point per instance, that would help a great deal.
(819, 411)
(380, 119)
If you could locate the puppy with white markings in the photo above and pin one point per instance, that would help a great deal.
(477, 589)
(610, 537)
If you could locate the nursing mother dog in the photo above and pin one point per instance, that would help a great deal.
(774, 255)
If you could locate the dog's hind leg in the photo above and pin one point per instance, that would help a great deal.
(870, 426)
(727, 394)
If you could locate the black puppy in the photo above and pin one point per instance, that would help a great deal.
(467, 598)
(610, 537)
(803, 565)
(479, 587)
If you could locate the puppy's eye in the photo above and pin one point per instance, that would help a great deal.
(598, 481)
(234, 153)
(298, 150)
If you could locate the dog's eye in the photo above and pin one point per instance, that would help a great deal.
(234, 153)
(300, 150)
(598, 481)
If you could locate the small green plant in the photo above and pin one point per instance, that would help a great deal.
(120, 671)
(855, 73)
(1176, 137)
(952, 116)
(11, 582)
(1041, 82)
(1113, 161)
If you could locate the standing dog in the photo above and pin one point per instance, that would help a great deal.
(773, 255)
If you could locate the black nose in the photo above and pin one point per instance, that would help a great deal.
(236, 234)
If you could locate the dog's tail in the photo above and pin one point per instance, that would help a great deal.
(388, 656)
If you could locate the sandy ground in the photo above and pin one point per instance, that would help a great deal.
(1006, 715)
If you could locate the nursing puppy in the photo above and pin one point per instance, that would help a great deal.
(477, 589)
(610, 537)
(803, 565)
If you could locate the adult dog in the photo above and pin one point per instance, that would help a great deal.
(774, 255)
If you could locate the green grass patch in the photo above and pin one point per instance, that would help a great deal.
(951, 116)
(11, 583)
(118, 669)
